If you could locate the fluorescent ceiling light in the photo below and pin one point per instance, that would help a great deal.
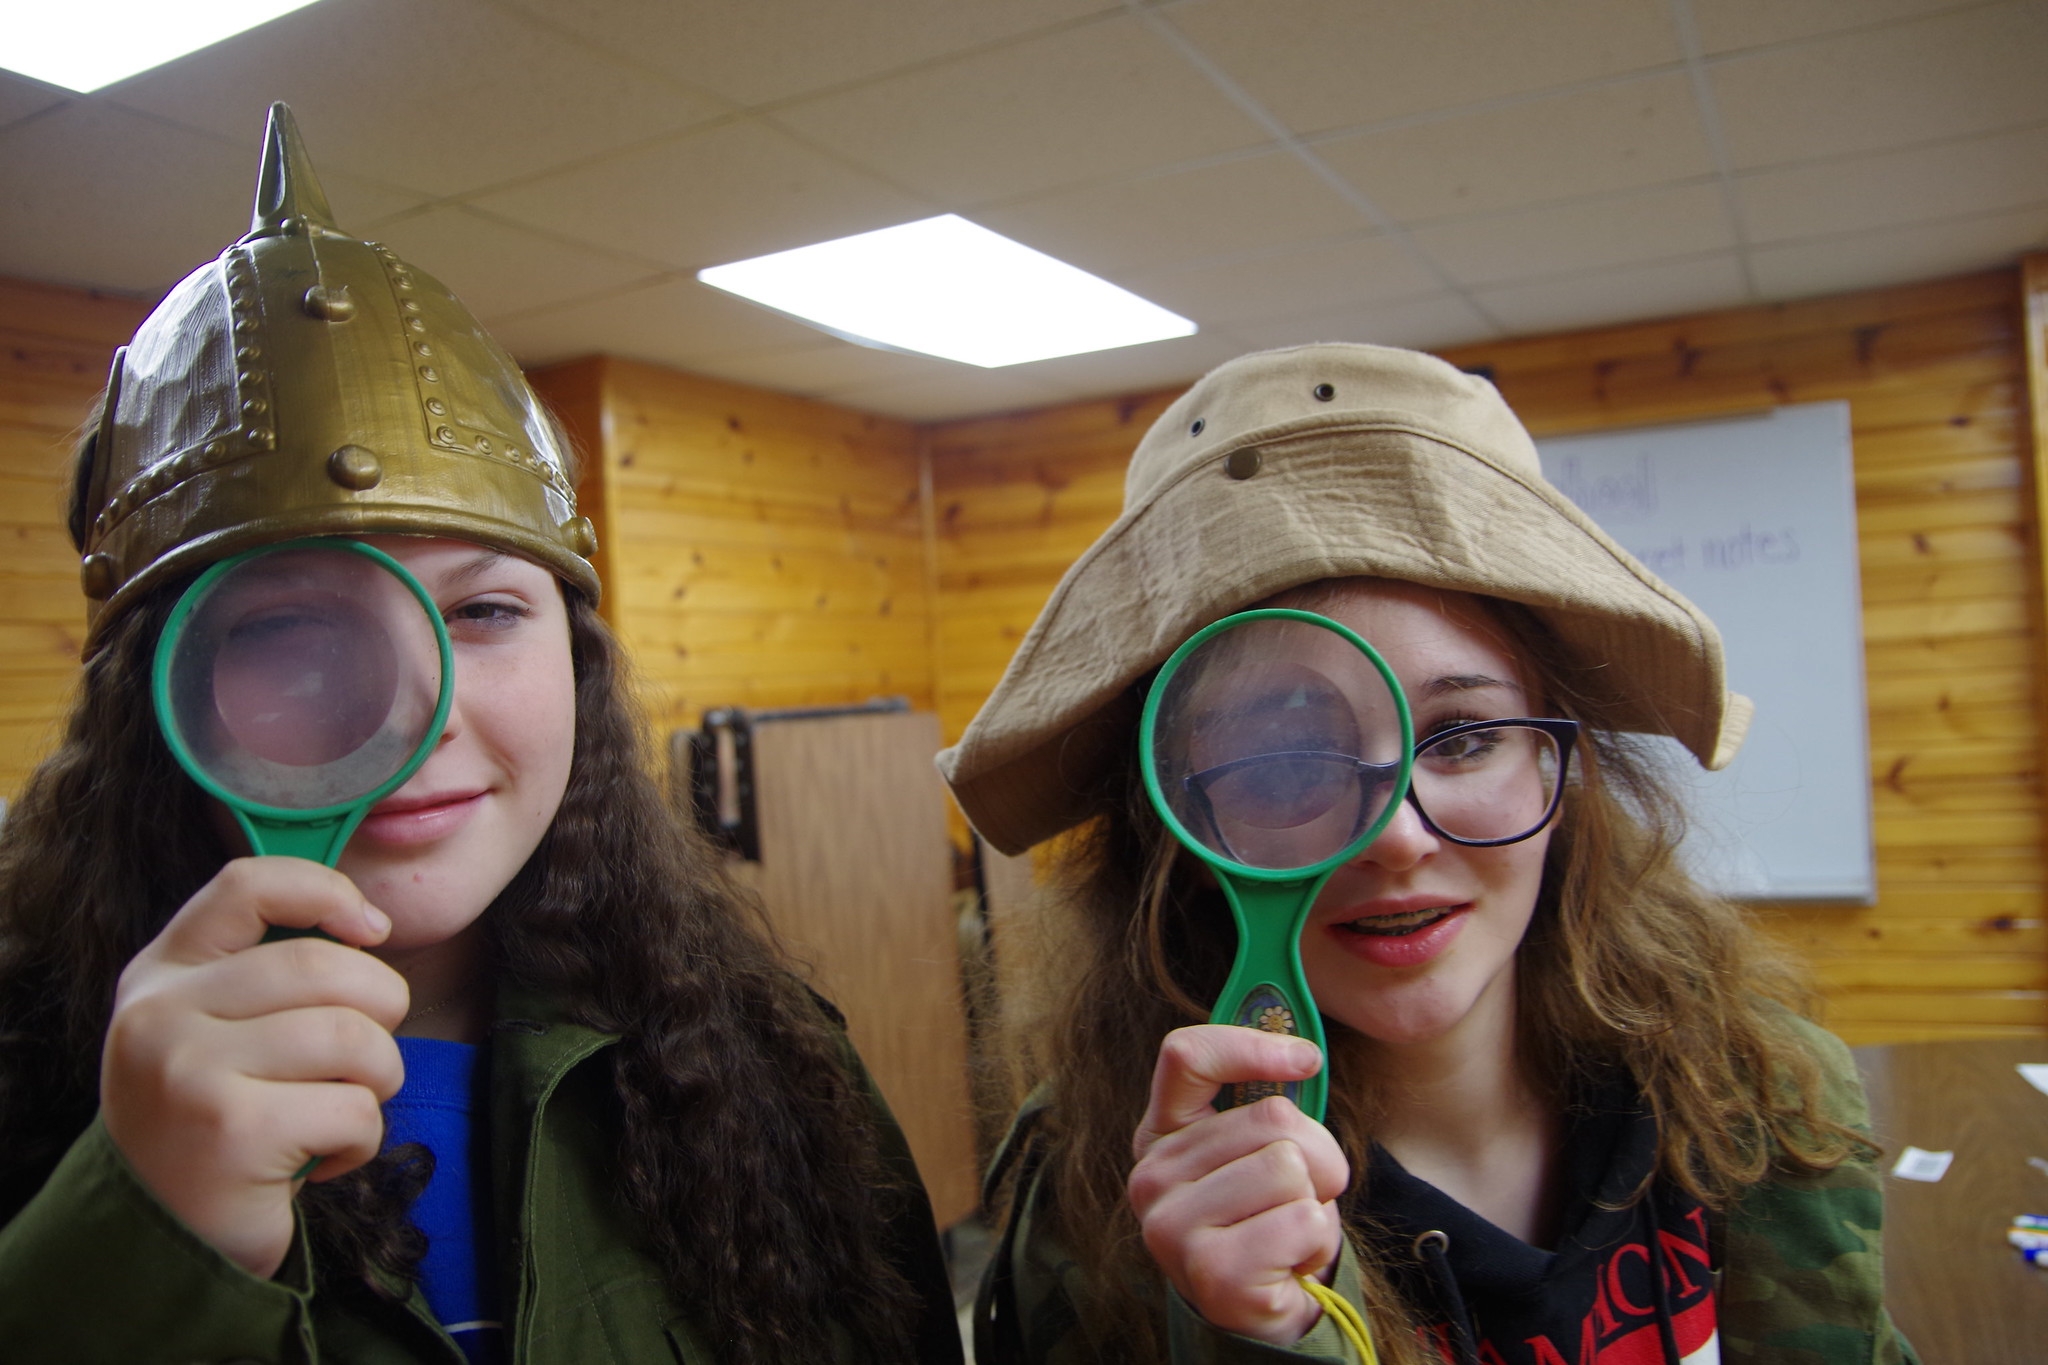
(85, 44)
(946, 287)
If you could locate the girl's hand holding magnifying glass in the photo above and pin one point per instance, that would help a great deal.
(230, 1062)
(1235, 1204)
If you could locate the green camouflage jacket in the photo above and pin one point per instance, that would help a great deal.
(1800, 1272)
(95, 1271)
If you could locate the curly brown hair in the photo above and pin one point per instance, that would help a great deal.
(748, 1150)
(1627, 965)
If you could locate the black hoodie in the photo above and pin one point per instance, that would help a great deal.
(1631, 1281)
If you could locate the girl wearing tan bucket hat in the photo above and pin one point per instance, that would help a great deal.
(1575, 1108)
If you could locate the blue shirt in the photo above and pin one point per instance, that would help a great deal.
(437, 1107)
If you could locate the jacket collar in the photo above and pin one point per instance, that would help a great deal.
(534, 1043)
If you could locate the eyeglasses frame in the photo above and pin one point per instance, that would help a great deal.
(1565, 733)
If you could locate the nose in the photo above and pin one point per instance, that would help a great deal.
(1405, 842)
(452, 726)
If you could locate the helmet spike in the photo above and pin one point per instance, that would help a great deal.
(288, 194)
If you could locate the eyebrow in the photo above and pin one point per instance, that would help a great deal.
(473, 568)
(1452, 683)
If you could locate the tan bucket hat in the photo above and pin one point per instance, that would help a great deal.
(1326, 461)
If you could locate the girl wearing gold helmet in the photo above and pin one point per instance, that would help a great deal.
(1574, 1113)
(646, 1141)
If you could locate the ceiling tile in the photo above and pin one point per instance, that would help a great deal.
(827, 367)
(1173, 219)
(1890, 189)
(1638, 292)
(22, 97)
(1870, 260)
(96, 196)
(1321, 64)
(358, 204)
(1101, 102)
(498, 268)
(668, 323)
(1623, 136)
(1584, 235)
(723, 194)
(1355, 271)
(1727, 25)
(442, 96)
(1973, 71)
(1420, 324)
(974, 393)
(767, 50)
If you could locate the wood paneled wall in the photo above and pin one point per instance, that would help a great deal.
(1936, 381)
(56, 346)
(762, 550)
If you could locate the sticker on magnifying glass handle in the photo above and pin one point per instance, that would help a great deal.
(1268, 1011)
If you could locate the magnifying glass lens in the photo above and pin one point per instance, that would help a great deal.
(1277, 743)
(304, 679)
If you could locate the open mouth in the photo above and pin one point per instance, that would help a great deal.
(1401, 925)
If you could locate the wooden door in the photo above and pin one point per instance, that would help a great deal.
(856, 873)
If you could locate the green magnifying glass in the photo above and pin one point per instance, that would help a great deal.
(1275, 745)
(300, 684)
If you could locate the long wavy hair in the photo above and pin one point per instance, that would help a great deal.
(748, 1150)
(1627, 965)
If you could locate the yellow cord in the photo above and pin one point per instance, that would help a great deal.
(1348, 1319)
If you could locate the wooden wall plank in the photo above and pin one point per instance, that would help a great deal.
(56, 346)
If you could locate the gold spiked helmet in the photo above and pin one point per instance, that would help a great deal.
(307, 383)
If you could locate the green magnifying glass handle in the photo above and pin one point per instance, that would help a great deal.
(318, 841)
(1267, 990)
(321, 842)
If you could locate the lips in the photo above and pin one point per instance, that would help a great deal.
(413, 805)
(1399, 931)
(409, 819)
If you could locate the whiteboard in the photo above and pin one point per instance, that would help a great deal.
(1754, 519)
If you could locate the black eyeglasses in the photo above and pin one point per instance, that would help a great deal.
(1482, 784)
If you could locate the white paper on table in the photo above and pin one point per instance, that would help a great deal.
(2036, 1074)
(1914, 1164)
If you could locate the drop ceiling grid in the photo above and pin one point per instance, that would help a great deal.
(587, 160)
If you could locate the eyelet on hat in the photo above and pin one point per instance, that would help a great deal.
(1195, 428)
(1324, 392)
